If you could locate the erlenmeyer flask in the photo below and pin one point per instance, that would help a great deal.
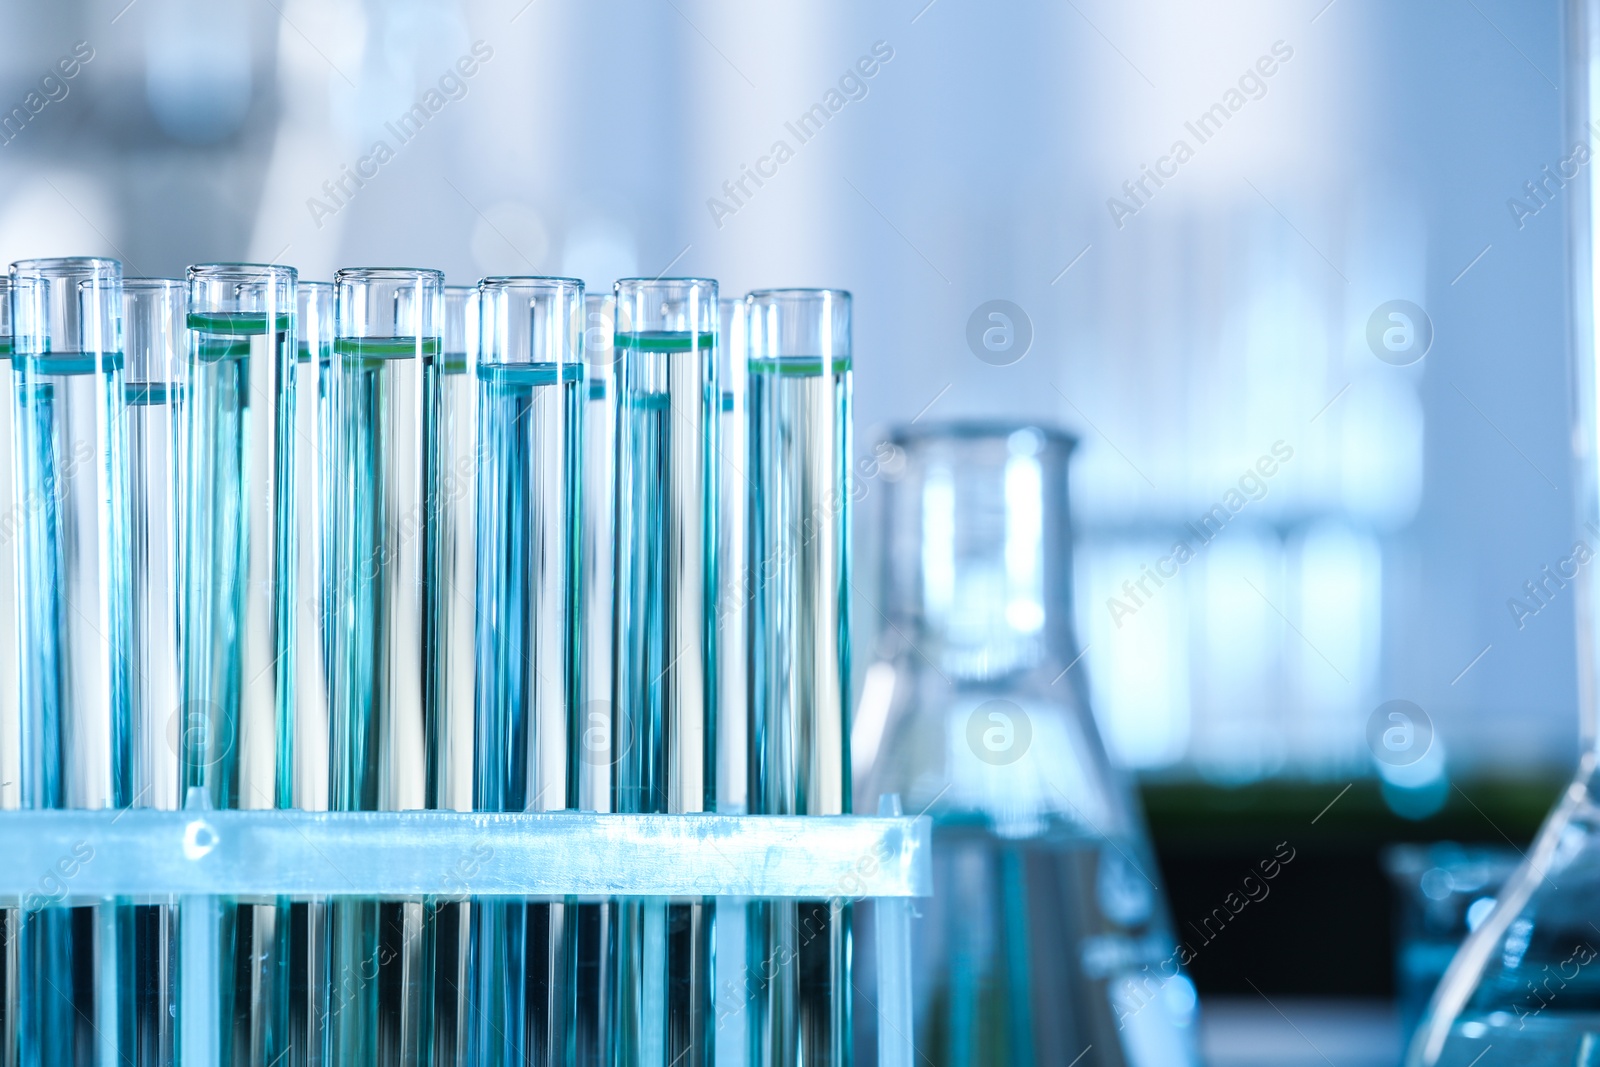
(1524, 988)
(1047, 937)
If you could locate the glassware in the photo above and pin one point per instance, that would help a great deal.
(798, 578)
(453, 431)
(1048, 931)
(310, 473)
(664, 714)
(10, 712)
(733, 994)
(1442, 892)
(530, 408)
(594, 924)
(305, 932)
(10, 721)
(386, 351)
(237, 565)
(733, 489)
(157, 344)
(1525, 986)
(74, 592)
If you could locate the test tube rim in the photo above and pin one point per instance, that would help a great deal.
(89, 267)
(552, 282)
(641, 283)
(250, 271)
(792, 292)
(375, 274)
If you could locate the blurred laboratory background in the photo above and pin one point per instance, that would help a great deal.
(1323, 239)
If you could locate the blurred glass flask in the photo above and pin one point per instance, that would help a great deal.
(1525, 986)
(1047, 938)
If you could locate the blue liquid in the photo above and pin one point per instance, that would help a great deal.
(378, 500)
(238, 563)
(664, 721)
(798, 580)
(530, 419)
(75, 729)
(452, 433)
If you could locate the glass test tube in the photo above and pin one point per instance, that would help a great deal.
(530, 411)
(453, 560)
(733, 489)
(238, 566)
(799, 647)
(594, 924)
(156, 345)
(76, 739)
(664, 659)
(305, 952)
(732, 991)
(10, 712)
(310, 472)
(385, 358)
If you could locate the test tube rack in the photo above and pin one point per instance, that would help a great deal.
(198, 855)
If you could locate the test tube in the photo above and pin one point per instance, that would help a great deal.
(594, 924)
(310, 473)
(732, 726)
(386, 351)
(453, 420)
(799, 646)
(664, 654)
(304, 948)
(71, 469)
(156, 345)
(10, 713)
(239, 607)
(530, 410)
(732, 490)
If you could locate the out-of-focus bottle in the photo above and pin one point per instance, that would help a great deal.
(1047, 932)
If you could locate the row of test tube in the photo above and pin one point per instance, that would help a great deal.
(384, 544)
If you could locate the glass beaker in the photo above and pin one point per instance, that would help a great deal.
(1048, 931)
(530, 411)
(798, 582)
(1524, 988)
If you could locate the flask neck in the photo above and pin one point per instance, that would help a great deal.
(979, 565)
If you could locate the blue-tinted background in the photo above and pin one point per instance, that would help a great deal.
(1183, 333)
